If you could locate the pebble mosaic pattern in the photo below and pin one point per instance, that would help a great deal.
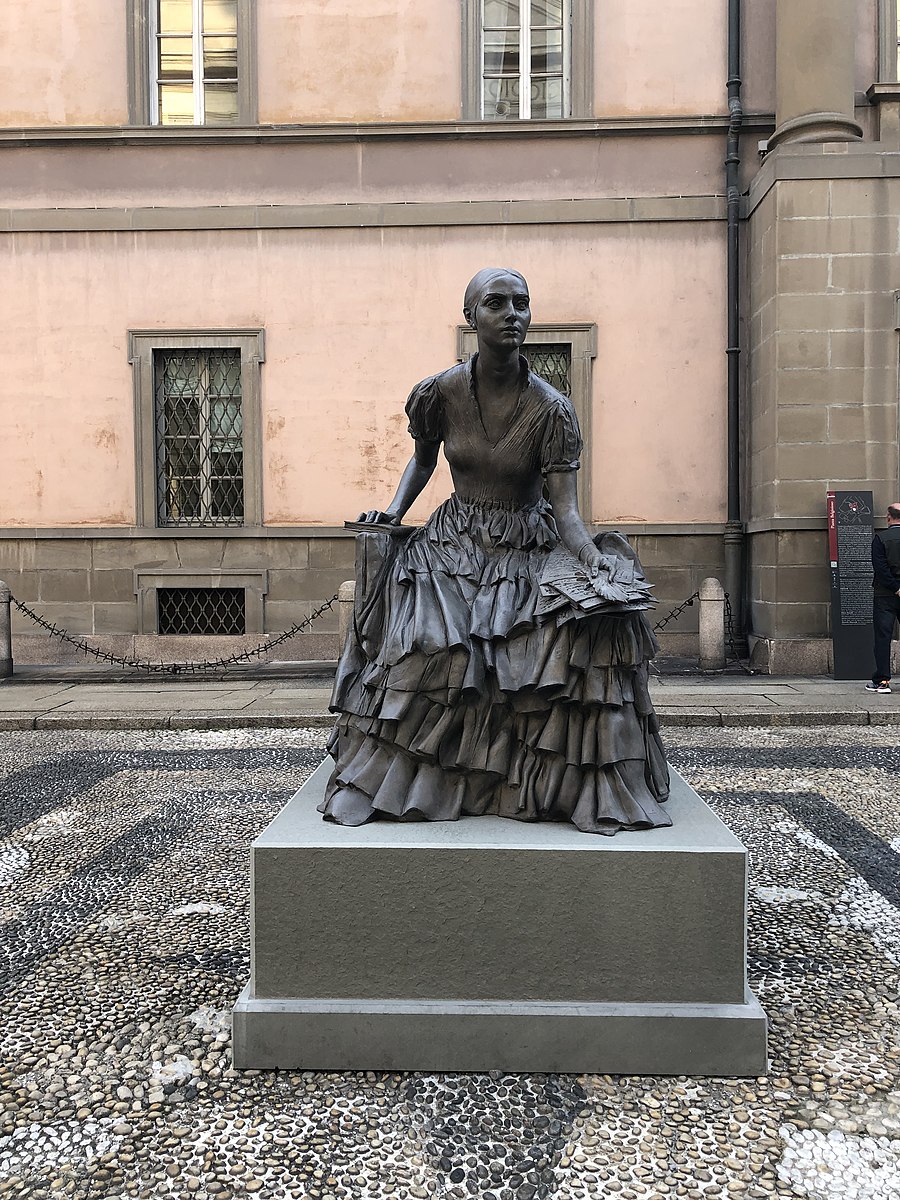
(123, 929)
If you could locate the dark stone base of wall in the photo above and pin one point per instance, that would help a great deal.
(99, 585)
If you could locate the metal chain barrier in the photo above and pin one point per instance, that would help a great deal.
(732, 641)
(676, 612)
(245, 656)
(184, 668)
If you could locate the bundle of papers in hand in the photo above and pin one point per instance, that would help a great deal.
(380, 527)
(618, 586)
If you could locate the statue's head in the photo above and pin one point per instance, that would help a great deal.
(497, 305)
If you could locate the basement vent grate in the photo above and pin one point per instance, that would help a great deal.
(201, 612)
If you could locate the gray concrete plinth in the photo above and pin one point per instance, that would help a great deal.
(432, 1035)
(492, 944)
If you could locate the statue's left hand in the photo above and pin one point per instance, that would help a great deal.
(591, 559)
(376, 517)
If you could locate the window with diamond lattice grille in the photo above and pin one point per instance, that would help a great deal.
(199, 437)
(552, 363)
(201, 612)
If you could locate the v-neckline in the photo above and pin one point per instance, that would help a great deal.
(473, 392)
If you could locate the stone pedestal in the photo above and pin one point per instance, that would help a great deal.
(490, 944)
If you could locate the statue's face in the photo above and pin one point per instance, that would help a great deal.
(502, 314)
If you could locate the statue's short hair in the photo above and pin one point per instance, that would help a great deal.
(481, 281)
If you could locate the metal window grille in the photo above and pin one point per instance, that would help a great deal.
(199, 437)
(201, 612)
(553, 363)
(525, 51)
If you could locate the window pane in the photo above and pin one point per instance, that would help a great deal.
(225, 373)
(221, 103)
(501, 99)
(220, 16)
(175, 16)
(546, 12)
(501, 53)
(225, 424)
(546, 50)
(180, 374)
(175, 58)
(176, 104)
(500, 14)
(552, 363)
(547, 98)
(226, 500)
(220, 57)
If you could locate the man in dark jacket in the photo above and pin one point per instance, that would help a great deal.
(886, 598)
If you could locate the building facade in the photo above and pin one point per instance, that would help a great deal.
(235, 233)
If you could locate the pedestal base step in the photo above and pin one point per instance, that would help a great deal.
(434, 1035)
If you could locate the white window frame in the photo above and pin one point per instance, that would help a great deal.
(525, 73)
(197, 88)
(578, 62)
(143, 84)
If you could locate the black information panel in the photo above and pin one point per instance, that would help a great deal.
(850, 532)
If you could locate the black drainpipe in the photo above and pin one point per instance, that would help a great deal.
(734, 528)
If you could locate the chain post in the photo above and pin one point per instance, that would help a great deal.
(6, 658)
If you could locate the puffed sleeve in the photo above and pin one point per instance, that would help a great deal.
(562, 444)
(425, 411)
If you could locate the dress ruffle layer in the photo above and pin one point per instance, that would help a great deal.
(455, 699)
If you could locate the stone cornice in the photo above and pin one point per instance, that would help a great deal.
(155, 135)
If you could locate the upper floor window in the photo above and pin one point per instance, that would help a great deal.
(192, 62)
(195, 62)
(527, 59)
(525, 53)
(889, 41)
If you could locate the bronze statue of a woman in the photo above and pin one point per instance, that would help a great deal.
(499, 662)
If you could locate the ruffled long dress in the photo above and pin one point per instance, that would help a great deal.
(454, 694)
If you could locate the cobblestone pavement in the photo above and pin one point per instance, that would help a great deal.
(124, 924)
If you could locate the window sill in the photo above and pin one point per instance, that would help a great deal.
(878, 93)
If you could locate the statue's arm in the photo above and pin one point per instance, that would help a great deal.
(561, 486)
(419, 470)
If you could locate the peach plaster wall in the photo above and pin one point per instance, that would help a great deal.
(63, 62)
(655, 59)
(353, 319)
(342, 60)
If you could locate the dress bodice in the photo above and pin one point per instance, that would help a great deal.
(542, 435)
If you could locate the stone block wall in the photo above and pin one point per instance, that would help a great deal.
(91, 584)
(824, 265)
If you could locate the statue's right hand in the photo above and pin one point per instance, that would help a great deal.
(375, 517)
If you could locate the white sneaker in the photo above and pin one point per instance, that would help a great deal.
(883, 688)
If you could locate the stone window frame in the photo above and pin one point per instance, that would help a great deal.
(888, 36)
(140, 70)
(147, 582)
(581, 337)
(581, 61)
(141, 346)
